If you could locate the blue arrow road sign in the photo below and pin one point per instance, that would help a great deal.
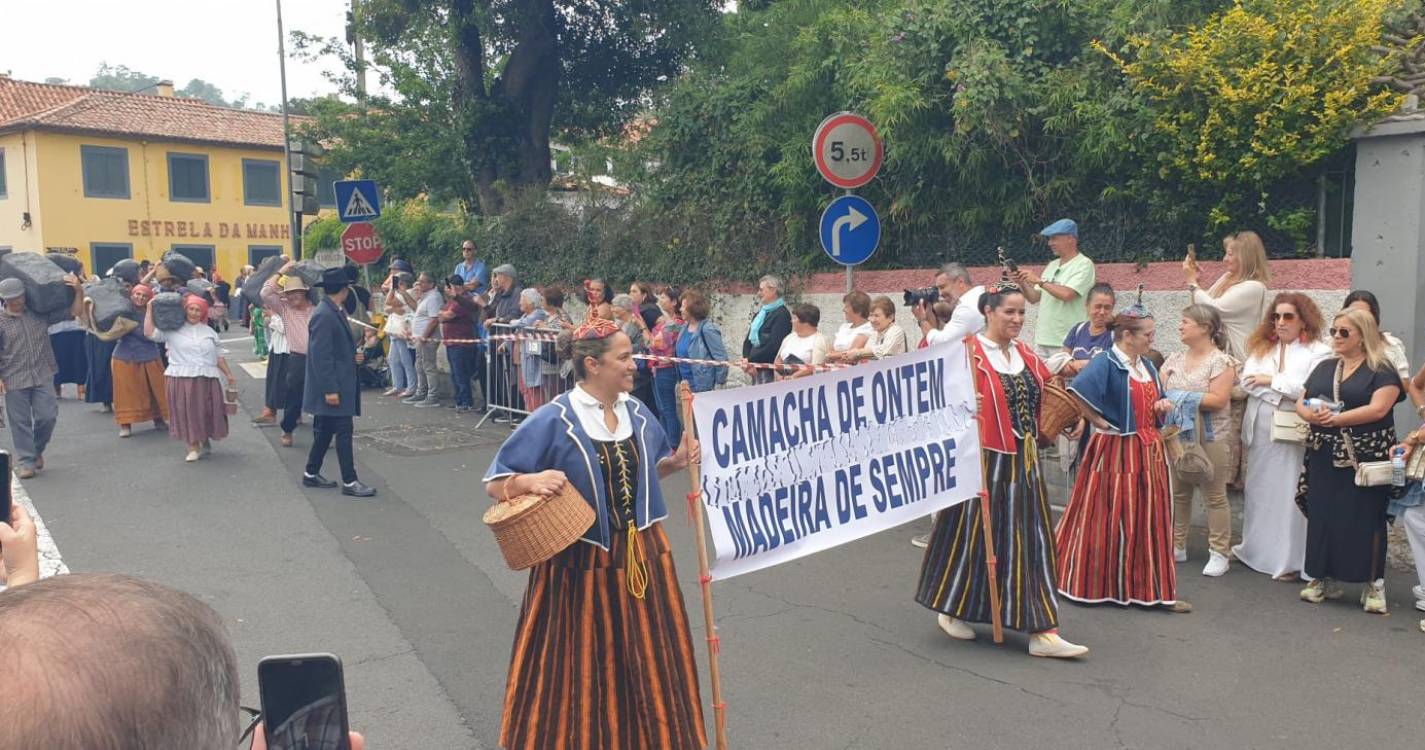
(850, 230)
(357, 200)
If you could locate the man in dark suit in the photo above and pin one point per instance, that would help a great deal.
(332, 394)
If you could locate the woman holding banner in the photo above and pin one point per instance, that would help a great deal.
(955, 577)
(1115, 540)
(603, 632)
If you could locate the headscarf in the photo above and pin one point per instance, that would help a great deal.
(145, 288)
(194, 299)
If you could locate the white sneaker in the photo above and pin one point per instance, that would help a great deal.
(1217, 564)
(1373, 597)
(1179, 554)
(191, 457)
(1419, 592)
(1051, 646)
(956, 629)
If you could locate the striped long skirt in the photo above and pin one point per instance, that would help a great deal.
(954, 578)
(594, 667)
(1115, 541)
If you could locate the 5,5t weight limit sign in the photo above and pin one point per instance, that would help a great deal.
(847, 150)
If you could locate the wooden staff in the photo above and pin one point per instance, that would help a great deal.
(695, 503)
(991, 561)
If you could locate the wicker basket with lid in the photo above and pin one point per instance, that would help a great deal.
(531, 529)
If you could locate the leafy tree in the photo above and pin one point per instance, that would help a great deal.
(497, 78)
(122, 78)
(1258, 93)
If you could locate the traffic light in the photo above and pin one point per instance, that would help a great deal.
(305, 174)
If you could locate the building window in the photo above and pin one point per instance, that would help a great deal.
(201, 255)
(2, 173)
(188, 177)
(106, 171)
(261, 183)
(258, 253)
(326, 194)
(103, 255)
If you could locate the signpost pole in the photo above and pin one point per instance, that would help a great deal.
(296, 212)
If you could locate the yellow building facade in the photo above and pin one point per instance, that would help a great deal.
(116, 175)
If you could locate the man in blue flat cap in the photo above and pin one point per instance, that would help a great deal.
(1062, 291)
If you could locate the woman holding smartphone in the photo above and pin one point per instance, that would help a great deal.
(603, 632)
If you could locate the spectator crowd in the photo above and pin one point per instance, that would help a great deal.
(1264, 392)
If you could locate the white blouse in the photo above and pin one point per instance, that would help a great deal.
(811, 350)
(192, 351)
(1013, 365)
(1288, 381)
(846, 335)
(590, 412)
(1241, 308)
(889, 342)
(1139, 373)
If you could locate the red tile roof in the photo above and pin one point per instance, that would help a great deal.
(25, 105)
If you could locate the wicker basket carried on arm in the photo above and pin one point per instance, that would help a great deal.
(1059, 411)
(531, 529)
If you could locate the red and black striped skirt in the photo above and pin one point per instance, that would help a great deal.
(1115, 541)
(595, 667)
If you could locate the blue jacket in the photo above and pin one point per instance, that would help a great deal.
(1103, 384)
(331, 364)
(706, 343)
(552, 438)
(1187, 411)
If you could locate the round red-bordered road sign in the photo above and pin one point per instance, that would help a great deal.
(361, 243)
(847, 150)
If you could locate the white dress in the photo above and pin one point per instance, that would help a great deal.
(1273, 529)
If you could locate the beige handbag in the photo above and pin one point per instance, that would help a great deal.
(1289, 427)
(1370, 473)
(1415, 467)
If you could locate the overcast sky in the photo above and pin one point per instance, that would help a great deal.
(229, 43)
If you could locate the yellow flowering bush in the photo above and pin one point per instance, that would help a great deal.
(1260, 91)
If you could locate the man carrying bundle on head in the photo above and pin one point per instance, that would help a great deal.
(27, 368)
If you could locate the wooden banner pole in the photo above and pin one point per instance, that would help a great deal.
(991, 561)
(695, 503)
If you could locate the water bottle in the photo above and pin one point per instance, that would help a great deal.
(1397, 467)
(1312, 404)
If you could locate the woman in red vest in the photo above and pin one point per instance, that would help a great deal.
(954, 579)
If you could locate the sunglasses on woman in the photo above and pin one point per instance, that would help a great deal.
(1340, 333)
(1287, 316)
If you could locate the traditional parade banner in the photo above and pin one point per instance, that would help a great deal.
(793, 468)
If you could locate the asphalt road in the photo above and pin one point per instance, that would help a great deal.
(829, 651)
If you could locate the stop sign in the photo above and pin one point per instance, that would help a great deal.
(361, 243)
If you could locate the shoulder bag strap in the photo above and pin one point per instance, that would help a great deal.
(1345, 436)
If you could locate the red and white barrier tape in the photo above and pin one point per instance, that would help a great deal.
(551, 338)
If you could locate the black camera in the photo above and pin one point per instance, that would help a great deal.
(924, 296)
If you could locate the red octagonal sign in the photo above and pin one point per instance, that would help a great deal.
(361, 243)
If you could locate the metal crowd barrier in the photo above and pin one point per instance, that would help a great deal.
(524, 372)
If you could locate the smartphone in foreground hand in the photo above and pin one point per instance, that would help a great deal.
(303, 702)
(6, 498)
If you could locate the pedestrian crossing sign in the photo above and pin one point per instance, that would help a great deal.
(357, 200)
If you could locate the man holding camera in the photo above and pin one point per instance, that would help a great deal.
(1063, 288)
(958, 290)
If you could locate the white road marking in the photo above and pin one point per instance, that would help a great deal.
(50, 561)
(258, 370)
